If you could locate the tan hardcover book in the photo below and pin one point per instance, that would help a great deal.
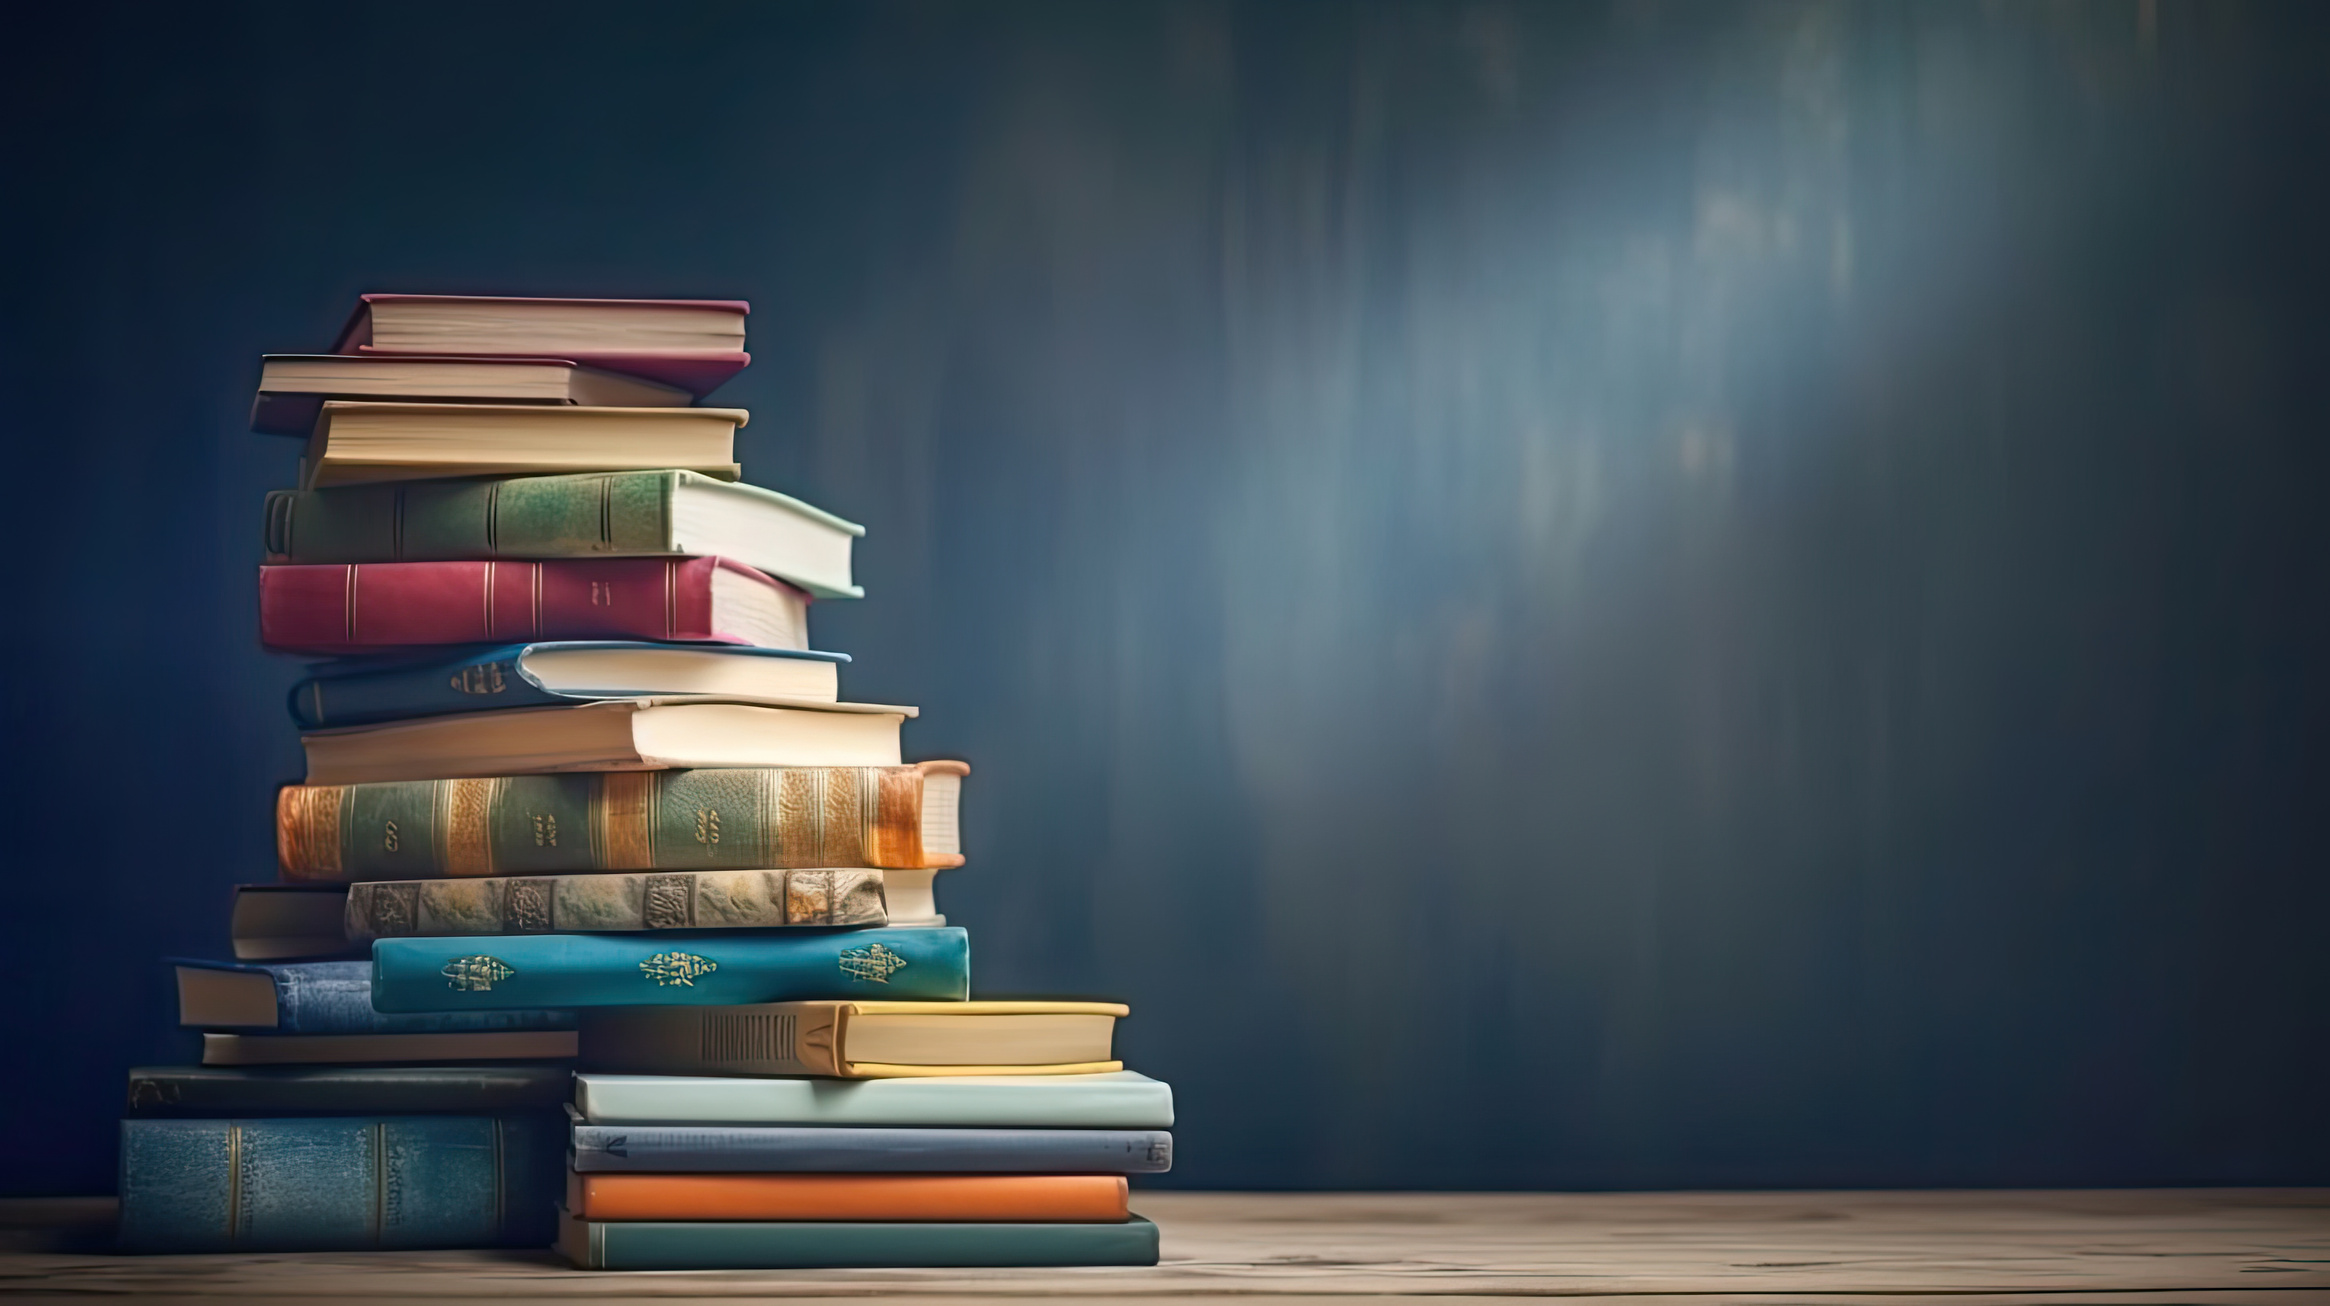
(855, 1040)
(293, 387)
(632, 734)
(357, 441)
(345, 1049)
(582, 904)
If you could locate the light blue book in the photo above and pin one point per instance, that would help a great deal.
(1115, 1100)
(339, 1184)
(321, 997)
(812, 1245)
(668, 969)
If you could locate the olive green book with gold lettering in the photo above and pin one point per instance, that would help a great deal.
(646, 900)
(698, 820)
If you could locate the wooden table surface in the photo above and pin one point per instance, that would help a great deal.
(1972, 1248)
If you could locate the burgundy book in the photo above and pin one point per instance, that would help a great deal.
(363, 607)
(694, 344)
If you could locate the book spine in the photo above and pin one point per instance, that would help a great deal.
(345, 1184)
(678, 900)
(708, 819)
(602, 970)
(489, 682)
(347, 608)
(1035, 1102)
(999, 1198)
(601, 515)
(816, 1150)
(348, 1090)
(809, 1245)
(324, 998)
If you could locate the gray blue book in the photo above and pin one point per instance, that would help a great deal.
(812, 1149)
(811, 1245)
(340, 1184)
(322, 997)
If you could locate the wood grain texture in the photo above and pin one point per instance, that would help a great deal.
(2158, 1246)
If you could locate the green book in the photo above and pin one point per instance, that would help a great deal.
(591, 515)
(814, 1244)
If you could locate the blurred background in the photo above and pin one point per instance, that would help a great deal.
(1559, 595)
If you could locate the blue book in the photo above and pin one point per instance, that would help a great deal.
(557, 674)
(340, 1184)
(814, 1245)
(321, 997)
(793, 1149)
(693, 969)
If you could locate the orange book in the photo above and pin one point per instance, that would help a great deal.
(983, 1198)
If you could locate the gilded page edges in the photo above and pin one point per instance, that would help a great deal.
(465, 817)
(625, 829)
(307, 831)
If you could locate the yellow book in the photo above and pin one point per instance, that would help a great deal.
(855, 1040)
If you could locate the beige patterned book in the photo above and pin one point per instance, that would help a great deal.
(675, 900)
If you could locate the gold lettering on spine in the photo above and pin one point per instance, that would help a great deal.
(465, 816)
(307, 831)
(626, 821)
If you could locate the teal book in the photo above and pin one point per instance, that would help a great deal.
(817, 1245)
(340, 1184)
(707, 969)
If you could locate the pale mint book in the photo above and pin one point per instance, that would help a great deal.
(1119, 1099)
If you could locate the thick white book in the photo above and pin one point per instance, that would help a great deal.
(1120, 1099)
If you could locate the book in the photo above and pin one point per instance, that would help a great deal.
(582, 904)
(321, 997)
(694, 344)
(355, 608)
(624, 734)
(594, 515)
(903, 816)
(508, 1089)
(293, 387)
(819, 1149)
(355, 441)
(857, 1039)
(989, 1198)
(559, 673)
(817, 1244)
(345, 1049)
(710, 969)
(287, 922)
(338, 1184)
(1122, 1100)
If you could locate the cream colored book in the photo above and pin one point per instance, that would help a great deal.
(357, 441)
(293, 387)
(633, 734)
(855, 1040)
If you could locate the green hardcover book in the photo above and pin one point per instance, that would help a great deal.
(815, 1244)
(748, 818)
(590, 515)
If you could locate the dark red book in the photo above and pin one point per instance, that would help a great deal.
(364, 607)
(694, 344)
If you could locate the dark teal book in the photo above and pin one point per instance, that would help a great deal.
(559, 674)
(668, 969)
(346, 1184)
(816, 1245)
(223, 1091)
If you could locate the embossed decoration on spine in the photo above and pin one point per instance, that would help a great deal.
(527, 908)
(475, 974)
(625, 836)
(307, 830)
(680, 968)
(872, 962)
(465, 818)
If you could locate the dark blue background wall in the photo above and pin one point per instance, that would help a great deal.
(1559, 595)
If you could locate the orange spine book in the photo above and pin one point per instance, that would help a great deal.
(987, 1199)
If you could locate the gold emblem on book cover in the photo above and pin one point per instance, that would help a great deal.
(476, 974)
(669, 968)
(482, 679)
(872, 962)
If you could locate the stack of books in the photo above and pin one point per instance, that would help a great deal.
(579, 788)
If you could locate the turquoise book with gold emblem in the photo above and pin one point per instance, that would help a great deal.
(601, 970)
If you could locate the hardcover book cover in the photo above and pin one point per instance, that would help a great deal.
(820, 1149)
(813, 1244)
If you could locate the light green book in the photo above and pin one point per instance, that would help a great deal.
(1116, 1100)
(816, 1244)
(588, 515)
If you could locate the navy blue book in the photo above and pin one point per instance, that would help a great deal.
(825, 1149)
(321, 997)
(345, 1184)
(558, 674)
(708, 968)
